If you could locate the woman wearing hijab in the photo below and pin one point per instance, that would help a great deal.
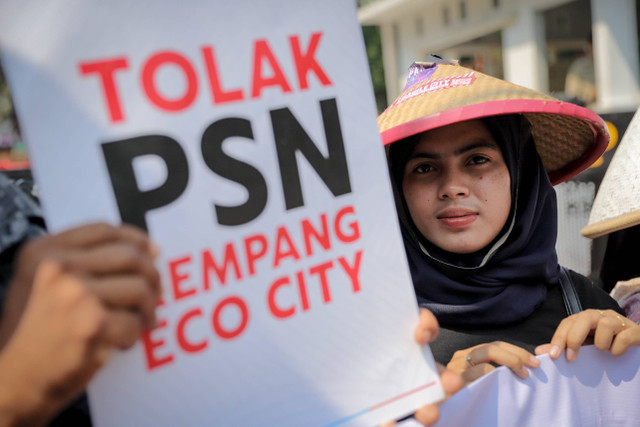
(472, 160)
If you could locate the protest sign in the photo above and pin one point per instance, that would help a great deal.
(241, 135)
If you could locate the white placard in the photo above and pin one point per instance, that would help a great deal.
(241, 134)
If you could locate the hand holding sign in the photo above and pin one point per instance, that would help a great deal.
(75, 297)
(427, 331)
(606, 329)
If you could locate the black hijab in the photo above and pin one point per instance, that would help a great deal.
(505, 281)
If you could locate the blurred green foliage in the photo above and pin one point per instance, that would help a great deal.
(373, 45)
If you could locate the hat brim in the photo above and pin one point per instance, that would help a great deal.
(611, 225)
(532, 108)
(617, 203)
(569, 138)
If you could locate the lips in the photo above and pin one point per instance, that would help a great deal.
(457, 217)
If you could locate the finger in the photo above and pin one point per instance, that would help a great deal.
(505, 354)
(122, 328)
(113, 258)
(564, 332)
(458, 362)
(605, 331)
(581, 326)
(476, 372)
(101, 352)
(129, 292)
(427, 329)
(527, 358)
(559, 338)
(83, 237)
(90, 235)
(451, 382)
(427, 415)
(630, 336)
(389, 424)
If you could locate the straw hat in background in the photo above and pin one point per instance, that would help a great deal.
(617, 203)
(568, 137)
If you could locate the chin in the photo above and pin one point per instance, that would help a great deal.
(463, 251)
(461, 248)
(463, 242)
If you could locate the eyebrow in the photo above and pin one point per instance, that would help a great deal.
(466, 148)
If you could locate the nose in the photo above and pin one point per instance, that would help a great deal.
(453, 185)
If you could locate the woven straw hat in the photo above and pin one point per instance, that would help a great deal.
(617, 204)
(568, 137)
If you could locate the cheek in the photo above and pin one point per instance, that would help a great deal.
(497, 190)
(410, 198)
(418, 200)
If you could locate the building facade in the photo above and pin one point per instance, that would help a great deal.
(528, 42)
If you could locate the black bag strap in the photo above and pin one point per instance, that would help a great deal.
(569, 295)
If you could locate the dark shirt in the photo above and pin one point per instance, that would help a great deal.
(20, 221)
(621, 260)
(534, 330)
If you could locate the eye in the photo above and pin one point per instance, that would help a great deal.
(478, 160)
(423, 168)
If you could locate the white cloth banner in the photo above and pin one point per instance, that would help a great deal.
(597, 389)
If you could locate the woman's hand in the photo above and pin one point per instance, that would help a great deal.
(474, 362)
(608, 330)
(451, 383)
(426, 332)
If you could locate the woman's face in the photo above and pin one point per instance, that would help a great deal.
(457, 187)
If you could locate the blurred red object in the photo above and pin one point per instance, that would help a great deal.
(8, 164)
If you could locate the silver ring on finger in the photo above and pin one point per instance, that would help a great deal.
(470, 363)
